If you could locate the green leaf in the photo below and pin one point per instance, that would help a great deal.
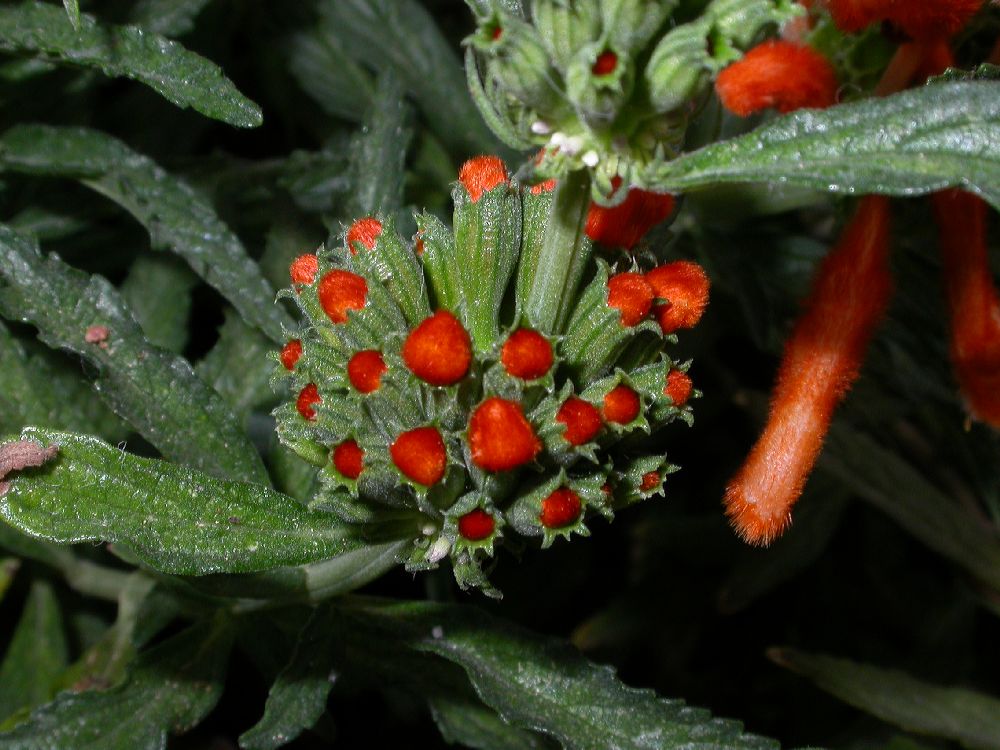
(916, 142)
(157, 392)
(899, 490)
(37, 654)
(37, 388)
(330, 76)
(171, 688)
(298, 696)
(73, 11)
(176, 520)
(177, 74)
(968, 717)
(158, 292)
(168, 17)
(378, 154)
(400, 36)
(8, 569)
(543, 684)
(176, 217)
(238, 367)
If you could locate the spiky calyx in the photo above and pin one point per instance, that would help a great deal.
(425, 391)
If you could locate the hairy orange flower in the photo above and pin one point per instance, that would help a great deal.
(631, 295)
(820, 364)
(365, 231)
(420, 455)
(438, 350)
(481, 174)
(561, 508)
(684, 285)
(340, 291)
(920, 19)
(500, 438)
(348, 459)
(627, 223)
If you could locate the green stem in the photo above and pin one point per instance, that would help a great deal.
(563, 257)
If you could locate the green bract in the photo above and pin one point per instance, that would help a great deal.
(497, 438)
(605, 85)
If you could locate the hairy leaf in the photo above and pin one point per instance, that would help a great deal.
(546, 685)
(157, 392)
(239, 368)
(411, 46)
(38, 389)
(36, 656)
(73, 11)
(916, 142)
(892, 485)
(174, 519)
(971, 718)
(179, 75)
(167, 17)
(158, 292)
(176, 217)
(171, 688)
(338, 83)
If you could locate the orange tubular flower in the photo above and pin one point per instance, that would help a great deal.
(972, 301)
(438, 351)
(777, 74)
(627, 223)
(364, 231)
(820, 363)
(481, 174)
(923, 20)
(500, 438)
(685, 286)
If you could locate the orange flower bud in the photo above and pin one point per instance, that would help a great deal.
(340, 291)
(625, 224)
(500, 438)
(420, 454)
(481, 174)
(348, 459)
(526, 354)
(777, 74)
(685, 287)
(650, 481)
(438, 350)
(365, 369)
(303, 269)
(476, 525)
(581, 418)
(924, 20)
(366, 231)
(290, 353)
(679, 387)
(605, 64)
(972, 301)
(631, 295)
(821, 361)
(621, 405)
(543, 187)
(308, 396)
(559, 509)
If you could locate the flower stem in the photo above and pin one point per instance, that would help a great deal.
(563, 257)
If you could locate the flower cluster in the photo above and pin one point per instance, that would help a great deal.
(428, 393)
(605, 85)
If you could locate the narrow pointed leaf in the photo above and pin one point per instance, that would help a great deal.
(546, 685)
(968, 717)
(177, 218)
(158, 291)
(36, 656)
(157, 392)
(171, 688)
(168, 17)
(176, 520)
(177, 74)
(916, 142)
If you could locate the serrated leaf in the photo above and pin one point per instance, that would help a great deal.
(968, 717)
(174, 519)
(168, 17)
(546, 685)
(177, 74)
(882, 478)
(37, 653)
(158, 291)
(176, 217)
(401, 36)
(170, 689)
(157, 392)
(36, 388)
(912, 143)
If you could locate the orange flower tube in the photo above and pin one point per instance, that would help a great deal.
(820, 364)
(972, 301)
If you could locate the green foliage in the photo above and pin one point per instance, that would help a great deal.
(182, 77)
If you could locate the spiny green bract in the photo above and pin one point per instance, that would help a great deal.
(424, 392)
(606, 85)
